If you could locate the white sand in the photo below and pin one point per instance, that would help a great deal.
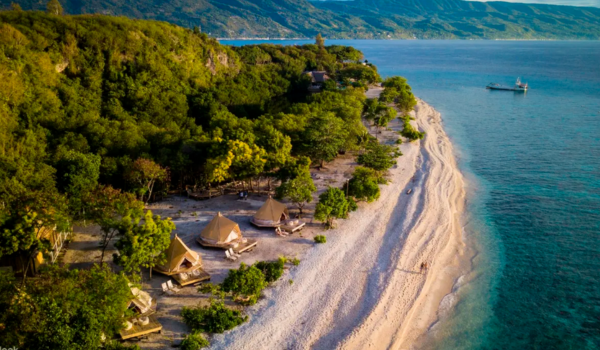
(363, 289)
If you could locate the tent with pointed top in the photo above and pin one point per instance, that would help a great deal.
(271, 214)
(220, 230)
(179, 258)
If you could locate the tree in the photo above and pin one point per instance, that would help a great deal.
(63, 308)
(319, 41)
(379, 157)
(299, 190)
(364, 184)
(54, 8)
(77, 174)
(397, 90)
(247, 281)
(324, 137)
(332, 204)
(15, 7)
(142, 244)
(145, 173)
(106, 206)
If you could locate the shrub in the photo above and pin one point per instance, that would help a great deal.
(352, 206)
(247, 281)
(215, 318)
(379, 157)
(320, 239)
(364, 184)
(271, 269)
(194, 341)
(213, 289)
(409, 132)
(295, 261)
(291, 281)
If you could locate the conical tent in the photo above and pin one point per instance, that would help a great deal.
(221, 230)
(179, 256)
(271, 212)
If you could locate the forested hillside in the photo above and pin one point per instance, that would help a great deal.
(147, 106)
(353, 19)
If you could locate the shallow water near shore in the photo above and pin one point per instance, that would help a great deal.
(532, 164)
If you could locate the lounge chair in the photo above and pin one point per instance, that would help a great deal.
(172, 287)
(232, 253)
(229, 256)
(166, 289)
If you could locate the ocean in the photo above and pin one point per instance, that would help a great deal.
(532, 164)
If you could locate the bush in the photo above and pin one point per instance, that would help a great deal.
(409, 132)
(271, 269)
(320, 239)
(247, 281)
(379, 157)
(216, 318)
(364, 184)
(207, 288)
(194, 341)
(295, 261)
(352, 206)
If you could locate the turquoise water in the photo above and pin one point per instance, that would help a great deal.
(532, 162)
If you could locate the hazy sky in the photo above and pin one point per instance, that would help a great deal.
(595, 3)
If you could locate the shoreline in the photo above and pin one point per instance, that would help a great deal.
(363, 289)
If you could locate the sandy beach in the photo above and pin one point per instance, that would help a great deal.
(363, 289)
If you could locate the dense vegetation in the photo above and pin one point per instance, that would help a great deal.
(63, 307)
(101, 114)
(91, 104)
(354, 19)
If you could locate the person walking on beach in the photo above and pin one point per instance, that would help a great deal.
(424, 266)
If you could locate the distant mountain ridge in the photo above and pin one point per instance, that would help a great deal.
(426, 19)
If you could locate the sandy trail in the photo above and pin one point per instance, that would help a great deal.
(363, 289)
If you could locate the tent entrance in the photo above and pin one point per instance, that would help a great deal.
(185, 264)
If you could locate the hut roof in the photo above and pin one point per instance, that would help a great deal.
(318, 76)
(142, 300)
(219, 229)
(176, 253)
(271, 210)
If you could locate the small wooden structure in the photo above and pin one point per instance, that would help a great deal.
(292, 226)
(317, 80)
(224, 233)
(17, 262)
(183, 264)
(140, 330)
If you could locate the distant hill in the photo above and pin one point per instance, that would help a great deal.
(449, 19)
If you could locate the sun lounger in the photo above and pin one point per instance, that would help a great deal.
(232, 253)
(172, 287)
(166, 289)
(229, 257)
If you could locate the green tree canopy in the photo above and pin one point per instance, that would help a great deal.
(142, 244)
(54, 8)
(325, 136)
(332, 205)
(63, 308)
(298, 190)
(364, 184)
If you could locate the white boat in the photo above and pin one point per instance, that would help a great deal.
(519, 86)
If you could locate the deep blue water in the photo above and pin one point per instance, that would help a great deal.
(533, 167)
